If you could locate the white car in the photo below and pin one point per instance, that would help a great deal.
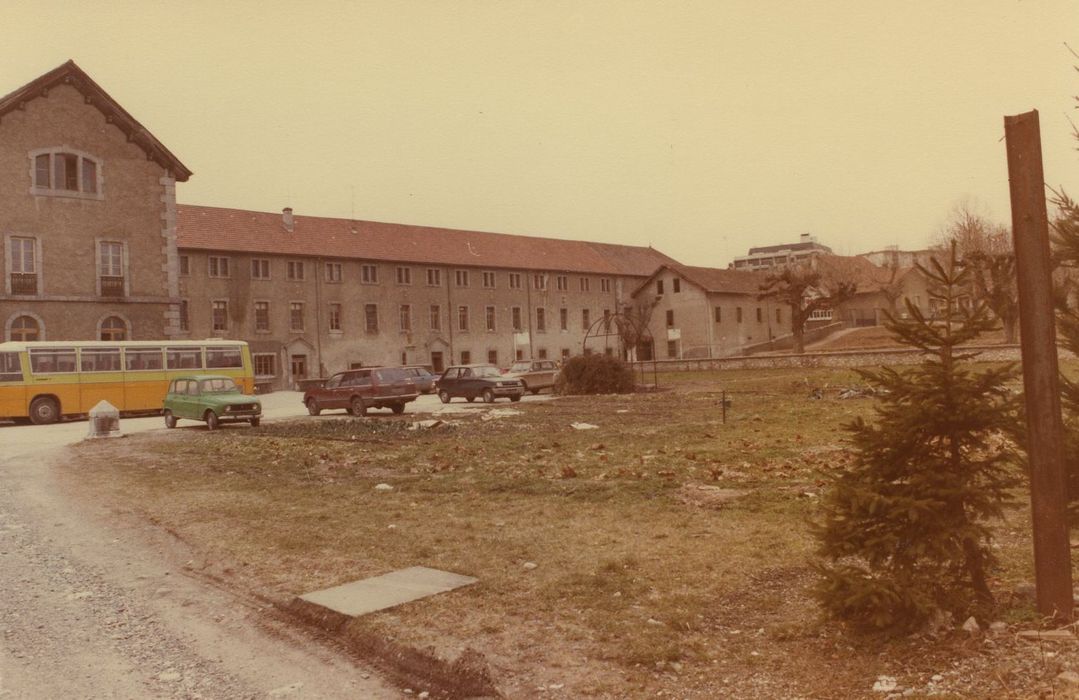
(534, 374)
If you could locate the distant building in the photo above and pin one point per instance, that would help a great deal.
(767, 256)
(893, 257)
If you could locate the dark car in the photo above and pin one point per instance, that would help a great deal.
(360, 389)
(425, 381)
(478, 381)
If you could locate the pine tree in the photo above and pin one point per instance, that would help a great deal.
(904, 532)
(1066, 253)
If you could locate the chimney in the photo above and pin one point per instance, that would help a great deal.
(807, 238)
(286, 219)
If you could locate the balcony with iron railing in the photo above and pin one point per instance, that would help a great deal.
(112, 286)
(23, 283)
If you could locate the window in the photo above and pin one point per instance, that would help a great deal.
(515, 280)
(436, 317)
(670, 318)
(111, 268)
(260, 269)
(58, 172)
(760, 315)
(25, 328)
(605, 284)
(183, 358)
(113, 328)
(519, 355)
(585, 284)
(542, 354)
(562, 283)
(738, 314)
(370, 317)
(143, 359)
(466, 357)
(492, 357)
(563, 319)
(461, 278)
(333, 272)
(49, 360)
(490, 317)
(219, 315)
(404, 275)
(462, 318)
(185, 265)
(406, 317)
(23, 265)
(434, 277)
(369, 274)
(821, 315)
(779, 315)
(541, 320)
(565, 353)
(265, 364)
(335, 317)
(676, 283)
(295, 316)
(489, 280)
(294, 270)
(224, 357)
(606, 320)
(586, 321)
(719, 314)
(217, 266)
(672, 348)
(539, 281)
(185, 319)
(262, 316)
(515, 316)
(659, 286)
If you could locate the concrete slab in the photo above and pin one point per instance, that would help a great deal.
(380, 592)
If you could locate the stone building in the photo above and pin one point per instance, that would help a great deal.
(763, 257)
(87, 216)
(314, 295)
(700, 312)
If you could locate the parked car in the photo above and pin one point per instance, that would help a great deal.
(212, 398)
(357, 390)
(478, 381)
(534, 374)
(425, 381)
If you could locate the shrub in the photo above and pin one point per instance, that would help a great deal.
(594, 374)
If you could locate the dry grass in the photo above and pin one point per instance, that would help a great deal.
(645, 580)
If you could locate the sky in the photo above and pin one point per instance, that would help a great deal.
(700, 128)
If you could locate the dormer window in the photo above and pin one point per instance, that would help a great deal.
(64, 172)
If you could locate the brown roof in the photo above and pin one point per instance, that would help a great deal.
(854, 268)
(240, 231)
(713, 279)
(71, 74)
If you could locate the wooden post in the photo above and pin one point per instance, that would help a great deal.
(1045, 429)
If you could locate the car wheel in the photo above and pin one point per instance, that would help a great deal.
(255, 421)
(470, 399)
(170, 420)
(358, 408)
(444, 396)
(212, 421)
(44, 410)
(398, 408)
(515, 398)
(524, 385)
(313, 408)
(534, 391)
(488, 396)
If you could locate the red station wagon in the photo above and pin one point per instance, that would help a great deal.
(360, 389)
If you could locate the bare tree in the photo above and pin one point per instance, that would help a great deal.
(804, 290)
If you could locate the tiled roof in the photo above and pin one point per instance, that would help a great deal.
(71, 74)
(854, 268)
(713, 279)
(240, 231)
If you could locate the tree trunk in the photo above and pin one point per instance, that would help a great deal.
(976, 569)
(799, 340)
(1010, 326)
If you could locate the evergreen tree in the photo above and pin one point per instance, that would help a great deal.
(905, 531)
(1066, 289)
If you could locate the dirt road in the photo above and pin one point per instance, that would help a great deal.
(91, 611)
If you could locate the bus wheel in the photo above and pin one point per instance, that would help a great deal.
(44, 410)
(170, 420)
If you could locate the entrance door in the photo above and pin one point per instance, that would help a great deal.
(299, 367)
(437, 365)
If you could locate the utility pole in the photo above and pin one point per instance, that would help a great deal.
(1045, 429)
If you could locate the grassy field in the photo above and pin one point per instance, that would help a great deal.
(671, 549)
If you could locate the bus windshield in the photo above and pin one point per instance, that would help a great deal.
(10, 370)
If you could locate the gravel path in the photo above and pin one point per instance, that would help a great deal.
(89, 611)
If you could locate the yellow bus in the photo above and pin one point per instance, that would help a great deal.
(46, 380)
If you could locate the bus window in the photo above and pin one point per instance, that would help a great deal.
(100, 360)
(137, 359)
(184, 358)
(51, 360)
(222, 357)
(10, 371)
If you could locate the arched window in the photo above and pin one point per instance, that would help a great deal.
(113, 328)
(65, 172)
(25, 328)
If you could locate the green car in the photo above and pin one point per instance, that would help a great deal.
(212, 398)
